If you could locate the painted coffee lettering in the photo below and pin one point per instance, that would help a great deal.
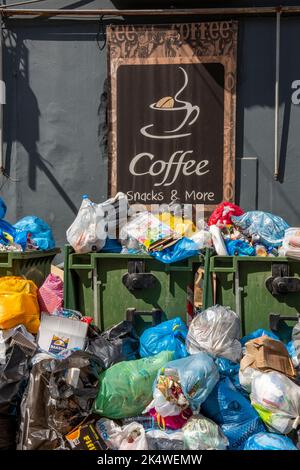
(199, 196)
(169, 170)
(214, 30)
(224, 29)
(135, 196)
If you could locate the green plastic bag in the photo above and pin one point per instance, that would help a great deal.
(125, 389)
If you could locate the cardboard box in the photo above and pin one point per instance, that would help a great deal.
(267, 354)
(57, 334)
(85, 437)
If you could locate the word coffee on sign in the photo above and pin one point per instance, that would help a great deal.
(169, 170)
(170, 132)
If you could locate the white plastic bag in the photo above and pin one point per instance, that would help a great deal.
(129, 437)
(216, 330)
(201, 433)
(88, 231)
(163, 407)
(277, 400)
(246, 377)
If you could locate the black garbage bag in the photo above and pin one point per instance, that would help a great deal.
(119, 343)
(17, 346)
(60, 394)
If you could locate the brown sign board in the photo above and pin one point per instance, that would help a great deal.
(172, 112)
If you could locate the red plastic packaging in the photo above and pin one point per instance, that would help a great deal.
(222, 214)
(171, 422)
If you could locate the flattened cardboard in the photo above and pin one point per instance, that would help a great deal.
(267, 354)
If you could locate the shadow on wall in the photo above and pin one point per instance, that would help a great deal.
(28, 135)
(16, 59)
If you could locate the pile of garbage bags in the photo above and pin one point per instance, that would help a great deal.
(28, 234)
(177, 387)
(169, 236)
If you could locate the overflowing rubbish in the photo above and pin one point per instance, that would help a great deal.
(51, 294)
(57, 334)
(263, 227)
(291, 243)
(119, 343)
(40, 232)
(60, 394)
(277, 400)
(167, 336)
(17, 347)
(296, 341)
(180, 388)
(233, 413)
(158, 439)
(201, 433)
(125, 389)
(132, 436)
(19, 304)
(67, 384)
(87, 232)
(267, 354)
(216, 331)
(222, 214)
(86, 436)
(269, 441)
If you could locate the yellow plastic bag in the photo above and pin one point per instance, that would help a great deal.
(19, 304)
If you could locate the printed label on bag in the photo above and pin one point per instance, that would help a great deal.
(58, 344)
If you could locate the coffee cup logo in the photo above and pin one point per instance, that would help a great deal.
(186, 114)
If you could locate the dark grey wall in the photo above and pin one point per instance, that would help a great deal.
(55, 113)
(55, 119)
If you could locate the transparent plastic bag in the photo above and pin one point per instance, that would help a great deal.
(216, 330)
(201, 433)
(88, 231)
(129, 437)
(247, 376)
(277, 400)
(266, 228)
(197, 376)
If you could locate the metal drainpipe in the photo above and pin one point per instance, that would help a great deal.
(277, 78)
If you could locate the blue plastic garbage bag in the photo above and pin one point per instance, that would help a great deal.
(239, 248)
(184, 248)
(257, 334)
(9, 234)
(40, 232)
(2, 208)
(198, 375)
(230, 369)
(269, 441)
(265, 227)
(226, 367)
(111, 246)
(233, 412)
(167, 336)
